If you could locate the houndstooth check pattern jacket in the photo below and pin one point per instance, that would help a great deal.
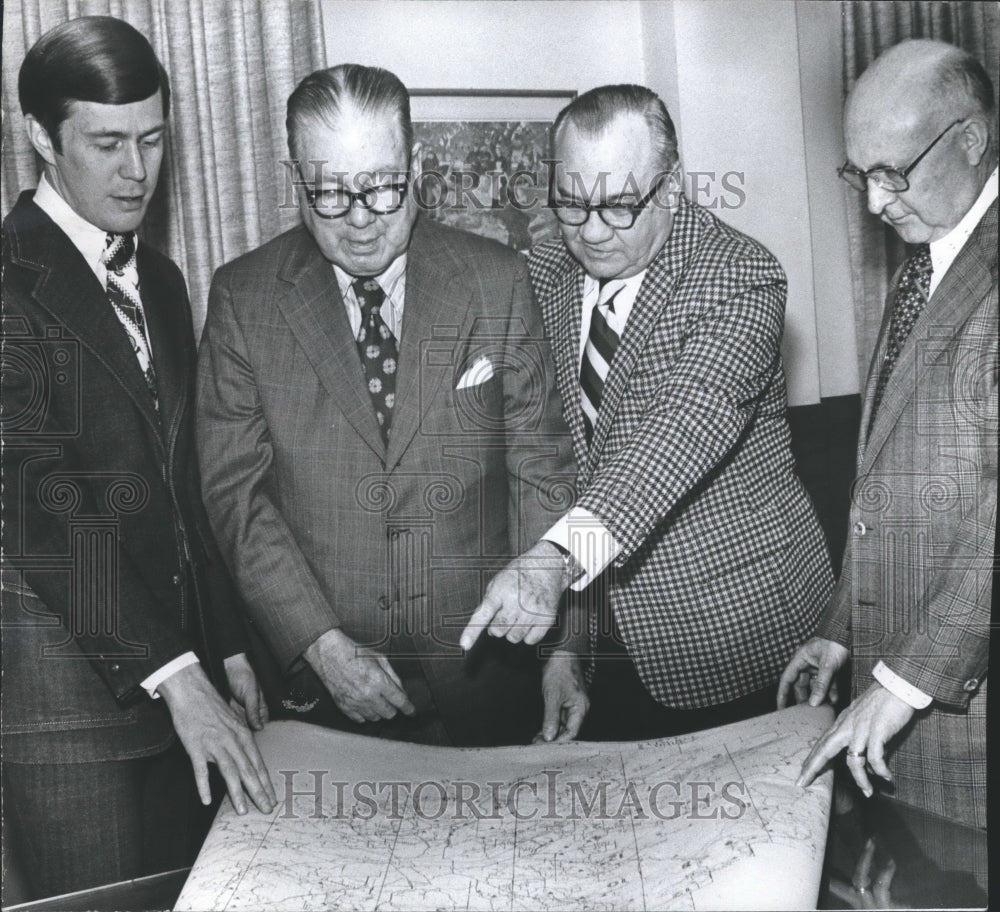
(915, 591)
(723, 568)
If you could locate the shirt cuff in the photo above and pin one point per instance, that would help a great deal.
(589, 542)
(893, 683)
(161, 674)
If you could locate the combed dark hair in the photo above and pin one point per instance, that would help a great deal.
(595, 110)
(93, 58)
(324, 94)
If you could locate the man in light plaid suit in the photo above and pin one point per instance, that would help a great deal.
(700, 546)
(912, 608)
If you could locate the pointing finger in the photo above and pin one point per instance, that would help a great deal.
(479, 621)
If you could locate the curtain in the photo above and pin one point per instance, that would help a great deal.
(232, 65)
(869, 28)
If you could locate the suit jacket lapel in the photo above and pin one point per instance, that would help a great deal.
(567, 306)
(165, 323)
(69, 290)
(966, 283)
(437, 301)
(653, 297)
(315, 312)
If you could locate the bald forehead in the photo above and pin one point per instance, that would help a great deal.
(902, 88)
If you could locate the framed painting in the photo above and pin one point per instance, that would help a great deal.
(484, 160)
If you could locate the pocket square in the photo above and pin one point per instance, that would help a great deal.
(480, 372)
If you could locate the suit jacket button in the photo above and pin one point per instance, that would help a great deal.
(177, 579)
(970, 685)
(860, 528)
(383, 602)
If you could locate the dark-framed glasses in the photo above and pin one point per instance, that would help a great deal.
(336, 202)
(895, 180)
(615, 215)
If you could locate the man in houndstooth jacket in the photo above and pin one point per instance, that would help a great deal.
(912, 608)
(698, 548)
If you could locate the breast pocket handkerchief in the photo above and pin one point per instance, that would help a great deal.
(480, 372)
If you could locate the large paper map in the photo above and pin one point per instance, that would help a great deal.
(705, 821)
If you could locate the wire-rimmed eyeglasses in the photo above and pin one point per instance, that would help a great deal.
(895, 180)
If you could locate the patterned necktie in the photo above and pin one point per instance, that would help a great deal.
(598, 353)
(123, 293)
(377, 347)
(911, 294)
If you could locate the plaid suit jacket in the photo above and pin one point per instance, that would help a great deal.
(323, 525)
(723, 567)
(915, 587)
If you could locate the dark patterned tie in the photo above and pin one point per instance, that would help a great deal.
(123, 293)
(598, 353)
(377, 347)
(911, 295)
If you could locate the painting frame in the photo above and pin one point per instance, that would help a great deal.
(483, 160)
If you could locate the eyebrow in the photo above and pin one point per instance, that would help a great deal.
(607, 203)
(119, 134)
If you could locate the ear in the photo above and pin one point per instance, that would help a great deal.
(675, 186)
(975, 139)
(40, 139)
(415, 165)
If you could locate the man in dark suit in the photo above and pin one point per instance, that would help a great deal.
(379, 431)
(701, 547)
(912, 607)
(114, 595)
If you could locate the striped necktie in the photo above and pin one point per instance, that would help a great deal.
(598, 353)
(123, 294)
(911, 295)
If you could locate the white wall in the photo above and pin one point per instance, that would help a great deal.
(753, 86)
(489, 44)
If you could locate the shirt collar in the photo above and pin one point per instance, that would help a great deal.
(946, 249)
(392, 279)
(628, 293)
(87, 238)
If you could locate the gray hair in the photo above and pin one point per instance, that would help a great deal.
(323, 96)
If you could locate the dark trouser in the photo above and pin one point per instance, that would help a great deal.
(621, 709)
(73, 826)
(305, 699)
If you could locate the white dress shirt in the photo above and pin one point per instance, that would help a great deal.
(393, 282)
(579, 532)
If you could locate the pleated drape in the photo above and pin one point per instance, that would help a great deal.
(232, 65)
(870, 27)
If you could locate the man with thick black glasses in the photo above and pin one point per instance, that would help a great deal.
(379, 432)
(697, 552)
(912, 609)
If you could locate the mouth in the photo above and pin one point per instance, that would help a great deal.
(130, 202)
(364, 245)
(598, 252)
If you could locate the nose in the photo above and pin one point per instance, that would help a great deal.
(359, 217)
(133, 166)
(593, 231)
(878, 198)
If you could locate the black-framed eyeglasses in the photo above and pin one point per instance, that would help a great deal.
(614, 215)
(895, 180)
(336, 202)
